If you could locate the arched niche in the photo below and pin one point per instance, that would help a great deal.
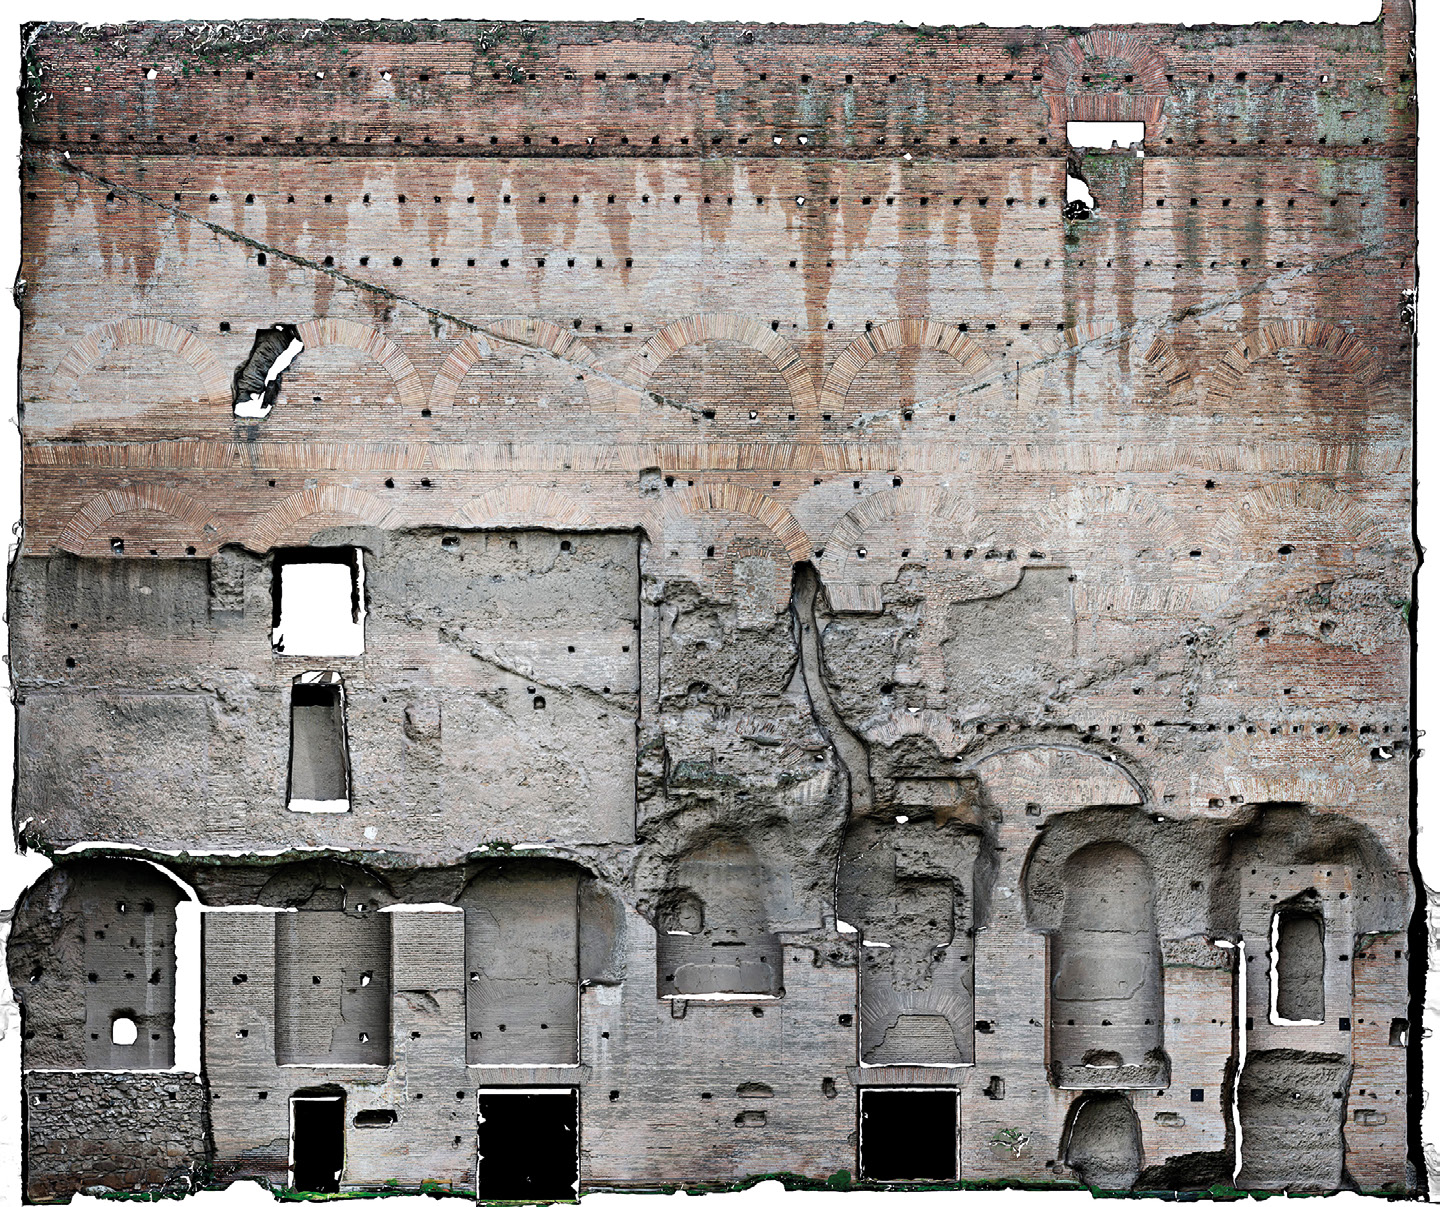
(522, 944)
(332, 964)
(1106, 995)
(1102, 1141)
(714, 934)
(92, 959)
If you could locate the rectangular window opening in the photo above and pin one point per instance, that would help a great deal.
(319, 753)
(318, 602)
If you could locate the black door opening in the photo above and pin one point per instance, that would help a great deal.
(908, 1135)
(529, 1145)
(317, 1141)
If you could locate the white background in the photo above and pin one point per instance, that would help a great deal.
(17, 871)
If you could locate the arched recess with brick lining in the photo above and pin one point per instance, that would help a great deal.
(474, 348)
(524, 505)
(896, 336)
(705, 329)
(672, 525)
(309, 511)
(1226, 376)
(144, 517)
(89, 351)
(346, 333)
(1109, 98)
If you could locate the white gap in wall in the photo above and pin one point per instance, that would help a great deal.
(1106, 135)
(316, 619)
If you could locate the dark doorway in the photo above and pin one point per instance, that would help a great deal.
(528, 1145)
(317, 1140)
(908, 1135)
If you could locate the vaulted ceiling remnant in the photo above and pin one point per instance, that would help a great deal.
(846, 606)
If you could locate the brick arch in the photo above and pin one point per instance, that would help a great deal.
(537, 333)
(927, 501)
(1145, 100)
(346, 333)
(1356, 358)
(1164, 361)
(892, 337)
(1088, 329)
(1057, 518)
(90, 350)
(343, 504)
(1272, 507)
(105, 506)
(890, 728)
(523, 504)
(729, 496)
(703, 328)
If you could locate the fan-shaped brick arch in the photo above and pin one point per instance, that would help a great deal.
(1142, 100)
(1066, 522)
(1284, 512)
(705, 328)
(729, 496)
(196, 519)
(887, 520)
(892, 337)
(90, 350)
(323, 333)
(1228, 374)
(1164, 362)
(1086, 330)
(305, 509)
(523, 505)
(537, 333)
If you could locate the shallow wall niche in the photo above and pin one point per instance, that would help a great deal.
(332, 965)
(906, 883)
(319, 758)
(714, 934)
(1102, 1141)
(1106, 996)
(522, 963)
(92, 959)
(1292, 1113)
(1298, 947)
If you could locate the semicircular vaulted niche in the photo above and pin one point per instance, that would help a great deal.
(1102, 1143)
(714, 934)
(1106, 996)
(92, 957)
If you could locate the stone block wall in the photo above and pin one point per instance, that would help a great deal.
(98, 1132)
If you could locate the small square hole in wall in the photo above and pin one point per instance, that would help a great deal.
(908, 1135)
(317, 599)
